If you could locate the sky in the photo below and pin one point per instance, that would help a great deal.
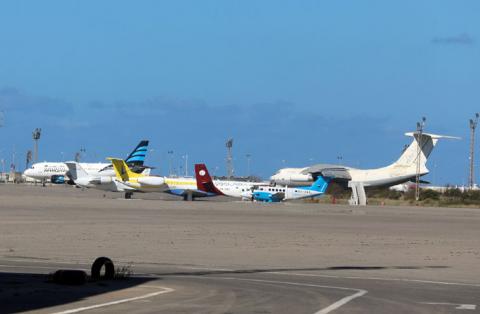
(292, 82)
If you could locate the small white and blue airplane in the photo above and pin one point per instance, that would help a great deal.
(285, 193)
(258, 191)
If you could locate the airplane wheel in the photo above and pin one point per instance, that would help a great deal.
(188, 197)
(128, 195)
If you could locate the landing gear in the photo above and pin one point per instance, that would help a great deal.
(128, 195)
(359, 197)
(188, 197)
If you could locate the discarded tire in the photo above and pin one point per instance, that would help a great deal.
(97, 268)
(70, 277)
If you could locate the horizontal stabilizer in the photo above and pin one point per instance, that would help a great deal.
(434, 136)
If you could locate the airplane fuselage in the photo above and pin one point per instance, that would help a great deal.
(45, 170)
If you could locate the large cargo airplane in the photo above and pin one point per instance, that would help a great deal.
(56, 171)
(412, 160)
(258, 191)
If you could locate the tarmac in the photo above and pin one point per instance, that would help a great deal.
(220, 255)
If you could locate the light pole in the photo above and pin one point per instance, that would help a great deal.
(249, 158)
(229, 145)
(185, 157)
(419, 134)
(36, 136)
(473, 125)
(4, 176)
(339, 159)
(170, 161)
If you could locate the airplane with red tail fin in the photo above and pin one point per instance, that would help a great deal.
(230, 188)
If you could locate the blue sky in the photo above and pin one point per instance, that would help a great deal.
(293, 82)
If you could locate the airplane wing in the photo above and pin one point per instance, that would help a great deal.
(278, 196)
(335, 172)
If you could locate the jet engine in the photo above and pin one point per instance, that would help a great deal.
(57, 179)
(105, 180)
(151, 180)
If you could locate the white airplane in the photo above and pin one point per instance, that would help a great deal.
(412, 160)
(285, 193)
(133, 182)
(83, 179)
(56, 172)
(231, 188)
(259, 191)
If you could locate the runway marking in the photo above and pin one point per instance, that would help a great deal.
(379, 278)
(328, 309)
(457, 306)
(341, 302)
(96, 306)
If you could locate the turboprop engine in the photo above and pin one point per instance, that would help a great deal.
(291, 176)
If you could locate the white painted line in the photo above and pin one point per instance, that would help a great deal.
(96, 306)
(379, 278)
(341, 302)
(204, 268)
(457, 306)
(328, 309)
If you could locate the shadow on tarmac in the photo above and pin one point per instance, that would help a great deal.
(21, 292)
(255, 271)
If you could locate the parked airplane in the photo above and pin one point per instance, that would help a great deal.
(56, 171)
(223, 187)
(181, 186)
(257, 191)
(413, 159)
(136, 182)
(286, 193)
(83, 179)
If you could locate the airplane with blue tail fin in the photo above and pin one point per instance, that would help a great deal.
(57, 172)
(284, 193)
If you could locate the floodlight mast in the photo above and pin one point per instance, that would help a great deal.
(419, 133)
(229, 145)
(170, 162)
(473, 126)
(36, 137)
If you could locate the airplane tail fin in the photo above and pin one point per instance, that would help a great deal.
(122, 171)
(321, 184)
(420, 148)
(137, 156)
(75, 171)
(204, 181)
